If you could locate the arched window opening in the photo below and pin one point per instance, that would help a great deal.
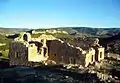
(25, 37)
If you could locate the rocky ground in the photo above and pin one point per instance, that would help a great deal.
(45, 75)
(106, 71)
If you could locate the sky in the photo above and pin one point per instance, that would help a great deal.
(59, 13)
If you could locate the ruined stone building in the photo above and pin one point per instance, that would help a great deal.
(48, 49)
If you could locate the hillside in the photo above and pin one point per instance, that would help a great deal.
(87, 31)
(98, 32)
(4, 40)
(81, 36)
(112, 44)
(106, 71)
(4, 31)
(78, 36)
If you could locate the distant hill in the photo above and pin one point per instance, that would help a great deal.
(112, 44)
(4, 41)
(4, 31)
(99, 32)
(88, 31)
(107, 36)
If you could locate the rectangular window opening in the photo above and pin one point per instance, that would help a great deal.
(16, 54)
(100, 54)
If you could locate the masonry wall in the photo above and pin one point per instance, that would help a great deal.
(63, 53)
(90, 57)
(24, 52)
(101, 53)
(18, 54)
(34, 55)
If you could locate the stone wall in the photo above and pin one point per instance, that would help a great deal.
(90, 57)
(18, 54)
(22, 36)
(101, 54)
(61, 52)
(32, 53)
(47, 47)
(35, 55)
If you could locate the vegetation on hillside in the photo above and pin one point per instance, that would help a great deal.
(4, 48)
(6, 41)
(101, 32)
(107, 36)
